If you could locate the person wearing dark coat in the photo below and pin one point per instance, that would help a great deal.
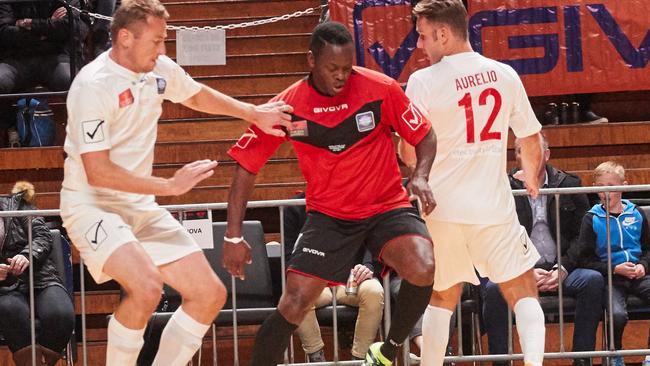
(53, 304)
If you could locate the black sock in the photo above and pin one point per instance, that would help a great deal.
(271, 340)
(410, 305)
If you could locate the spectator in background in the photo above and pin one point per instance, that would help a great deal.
(369, 299)
(53, 305)
(34, 50)
(538, 216)
(101, 28)
(630, 247)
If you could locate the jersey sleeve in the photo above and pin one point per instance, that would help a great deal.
(89, 117)
(403, 116)
(254, 148)
(177, 84)
(522, 118)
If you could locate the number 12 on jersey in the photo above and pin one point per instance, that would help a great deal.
(485, 134)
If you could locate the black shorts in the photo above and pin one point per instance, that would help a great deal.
(328, 248)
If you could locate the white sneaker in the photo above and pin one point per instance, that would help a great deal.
(415, 359)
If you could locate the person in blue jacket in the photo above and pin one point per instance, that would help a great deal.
(630, 246)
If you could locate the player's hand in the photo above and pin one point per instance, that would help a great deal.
(190, 175)
(626, 269)
(361, 273)
(639, 271)
(59, 13)
(235, 257)
(4, 271)
(420, 188)
(18, 264)
(270, 115)
(24, 23)
(533, 192)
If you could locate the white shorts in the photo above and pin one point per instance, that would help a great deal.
(98, 229)
(499, 252)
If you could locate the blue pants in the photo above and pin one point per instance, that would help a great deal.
(622, 288)
(585, 285)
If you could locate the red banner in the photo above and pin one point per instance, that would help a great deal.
(556, 46)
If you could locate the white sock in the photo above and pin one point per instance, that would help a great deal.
(180, 340)
(530, 326)
(435, 335)
(123, 344)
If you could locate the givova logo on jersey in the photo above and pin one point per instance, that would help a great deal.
(412, 117)
(246, 139)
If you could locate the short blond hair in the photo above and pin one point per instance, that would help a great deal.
(611, 167)
(449, 12)
(136, 11)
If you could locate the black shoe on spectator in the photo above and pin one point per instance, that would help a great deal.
(550, 116)
(318, 356)
(582, 362)
(589, 116)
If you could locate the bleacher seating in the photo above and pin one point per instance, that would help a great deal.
(261, 61)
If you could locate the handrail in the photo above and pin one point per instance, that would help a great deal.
(297, 202)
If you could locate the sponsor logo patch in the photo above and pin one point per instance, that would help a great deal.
(412, 117)
(161, 83)
(93, 131)
(96, 235)
(334, 108)
(126, 98)
(299, 129)
(365, 121)
(629, 221)
(313, 251)
(336, 148)
(246, 139)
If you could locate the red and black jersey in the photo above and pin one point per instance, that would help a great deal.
(344, 144)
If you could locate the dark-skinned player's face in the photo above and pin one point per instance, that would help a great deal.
(332, 68)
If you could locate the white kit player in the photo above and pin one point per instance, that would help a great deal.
(108, 196)
(471, 102)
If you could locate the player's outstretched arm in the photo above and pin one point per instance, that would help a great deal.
(236, 255)
(425, 152)
(531, 159)
(265, 116)
(101, 172)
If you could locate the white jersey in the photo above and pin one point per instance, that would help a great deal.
(471, 102)
(113, 108)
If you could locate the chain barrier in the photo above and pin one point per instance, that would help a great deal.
(253, 23)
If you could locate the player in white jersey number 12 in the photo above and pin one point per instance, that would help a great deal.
(471, 102)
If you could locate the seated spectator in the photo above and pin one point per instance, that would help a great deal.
(54, 309)
(630, 247)
(34, 50)
(100, 34)
(538, 216)
(369, 298)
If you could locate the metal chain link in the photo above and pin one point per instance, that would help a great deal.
(225, 27)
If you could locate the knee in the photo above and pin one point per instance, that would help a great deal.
(594, 282)
(60, 78)
(294, 305)
(146, 293)
(420, 272)
(7, 79)
(372, 299)
(214, 295)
